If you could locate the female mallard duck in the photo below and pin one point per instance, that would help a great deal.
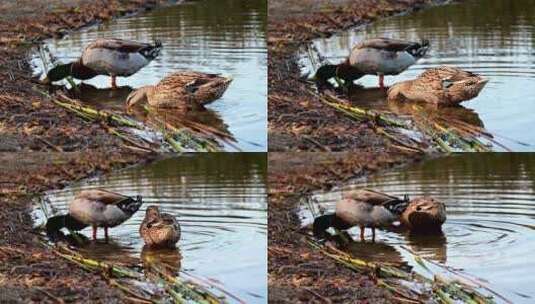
(424, 214)
(112, 57)
(181, 89)
(444, 85)
(364, 208)
(159, 229)
(367, 208)
(378, 56)
(96, 208)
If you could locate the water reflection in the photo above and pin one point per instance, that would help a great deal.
(226, 36)
(219, 200)
(490, 230)
(160, 261)
(494, 38)
(371, 97)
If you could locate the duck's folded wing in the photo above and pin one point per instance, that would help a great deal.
(125, 46)
(369, 196)
(101, 195)
(387, 44)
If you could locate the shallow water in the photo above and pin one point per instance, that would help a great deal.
(219, 200)
(490, 227)
(217, 36)
(494, 38)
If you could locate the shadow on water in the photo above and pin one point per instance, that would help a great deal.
(494, 38)
(226, 37)
(219, 200)
(490, 230)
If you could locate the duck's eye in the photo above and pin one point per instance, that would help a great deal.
(447, 83)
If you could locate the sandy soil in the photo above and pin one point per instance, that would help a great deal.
(43, 147)
(298, 121)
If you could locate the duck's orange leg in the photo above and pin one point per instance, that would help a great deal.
(106, 233)
(382, 82)
(94, 233)
(113, 82)
(362, 233)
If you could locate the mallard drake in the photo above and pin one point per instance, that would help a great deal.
(96, 208)
(424, 214)
(378, 56)
(181, 90)
(444, 85)
(363, 208)
(159, 229)
(112, 57)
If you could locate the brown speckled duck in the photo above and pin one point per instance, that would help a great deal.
(442, 86)
(424, 214)
(180, 90)
(159, 229)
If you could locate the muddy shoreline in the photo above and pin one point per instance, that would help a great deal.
(297, 120)
(44, 147)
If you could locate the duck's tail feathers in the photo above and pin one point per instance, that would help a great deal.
(396, 205)
(152, 51)
(130, 204)
(418, 50)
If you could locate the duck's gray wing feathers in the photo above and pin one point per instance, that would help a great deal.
(387, 44)
(125, 46)
(101, 195)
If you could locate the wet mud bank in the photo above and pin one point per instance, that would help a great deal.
(297, 272)
(44, 147)
(298, 120)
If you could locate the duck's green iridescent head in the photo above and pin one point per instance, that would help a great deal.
(58, 73)
(325, 72)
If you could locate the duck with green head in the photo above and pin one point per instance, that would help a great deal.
(96, 208)
(378, 56)
(111, 57)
